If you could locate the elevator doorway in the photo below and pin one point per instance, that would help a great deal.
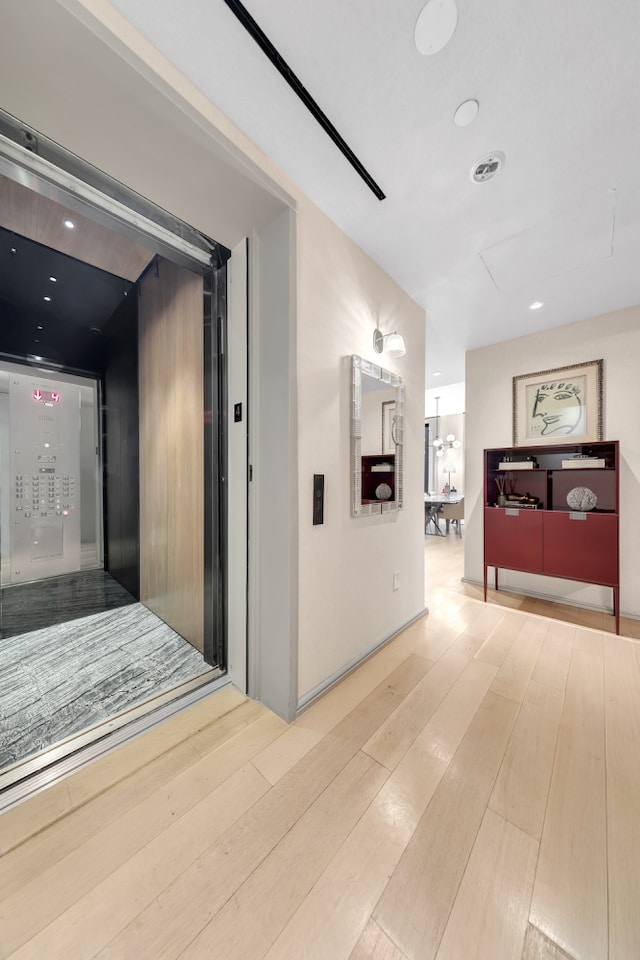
(112, 404)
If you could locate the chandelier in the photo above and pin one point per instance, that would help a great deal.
(440, 445)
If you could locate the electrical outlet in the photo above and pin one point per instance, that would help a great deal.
(396, 579)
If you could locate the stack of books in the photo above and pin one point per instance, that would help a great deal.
(518, 461)
(583, 463)
(517, 465)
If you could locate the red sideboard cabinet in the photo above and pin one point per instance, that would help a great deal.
(530, 526)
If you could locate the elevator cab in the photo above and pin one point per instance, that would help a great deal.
(113, 543)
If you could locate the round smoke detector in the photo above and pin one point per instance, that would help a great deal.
(488, 168)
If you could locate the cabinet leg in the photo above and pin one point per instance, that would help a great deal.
(616, 607)
(485, 583)
(495, 577)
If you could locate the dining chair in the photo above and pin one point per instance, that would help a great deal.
(453, 513)
(431, 512)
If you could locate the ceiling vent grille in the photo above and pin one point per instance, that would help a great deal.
(487, 168)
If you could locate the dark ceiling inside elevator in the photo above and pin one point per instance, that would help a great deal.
(68, 328)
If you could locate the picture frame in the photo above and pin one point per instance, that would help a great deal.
(561, 405)
(388, 420)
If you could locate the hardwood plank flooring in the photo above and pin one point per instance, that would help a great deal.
(96, 917)
(522, 787)
(537, 947)
(418, 898)
(470, 791)
(489, 915)
(569, 903)
(622, 730)
(374, 944)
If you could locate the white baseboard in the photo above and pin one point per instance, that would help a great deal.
(316, 692)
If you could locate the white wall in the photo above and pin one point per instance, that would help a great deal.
(347, 601)
(614, 337)
(450, 397)
(273, 432)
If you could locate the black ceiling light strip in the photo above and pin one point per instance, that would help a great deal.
(287, 73)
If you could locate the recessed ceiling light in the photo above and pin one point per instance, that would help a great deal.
(435, 26)
(536, 305)
(438, 373)
(69, 224)
(40, 328)
(466, 113)
(48, 299)
(53, 279)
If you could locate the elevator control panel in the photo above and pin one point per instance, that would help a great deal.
(44, 423)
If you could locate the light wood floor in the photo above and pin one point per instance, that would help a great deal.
(473, 790)
(445, 562)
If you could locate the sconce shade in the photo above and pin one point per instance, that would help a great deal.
(394, 345)
(449, 468)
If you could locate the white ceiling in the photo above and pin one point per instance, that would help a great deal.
(557, 84)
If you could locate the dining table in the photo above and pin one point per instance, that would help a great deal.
(433, 503)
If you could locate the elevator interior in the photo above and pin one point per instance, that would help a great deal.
(58, 316)
(85, 461)
(50, 493)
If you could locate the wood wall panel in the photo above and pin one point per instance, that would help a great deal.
(121, 447)
(30, 215)
(172, 448)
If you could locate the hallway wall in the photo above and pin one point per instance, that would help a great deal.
(615, 337)
(345, 579)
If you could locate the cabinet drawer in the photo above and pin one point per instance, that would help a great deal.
(513, 539)
(581, 549)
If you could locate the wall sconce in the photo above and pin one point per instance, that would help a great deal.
(394, 346)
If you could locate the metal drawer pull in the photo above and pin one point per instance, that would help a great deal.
(510, 512)
(577, 516)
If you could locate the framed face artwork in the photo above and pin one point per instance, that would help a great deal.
(558, 406)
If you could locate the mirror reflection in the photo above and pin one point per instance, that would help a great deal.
(377, 425)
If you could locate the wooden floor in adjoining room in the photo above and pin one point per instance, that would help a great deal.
(472, 791)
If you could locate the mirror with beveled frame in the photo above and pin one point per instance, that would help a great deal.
(377, 436)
